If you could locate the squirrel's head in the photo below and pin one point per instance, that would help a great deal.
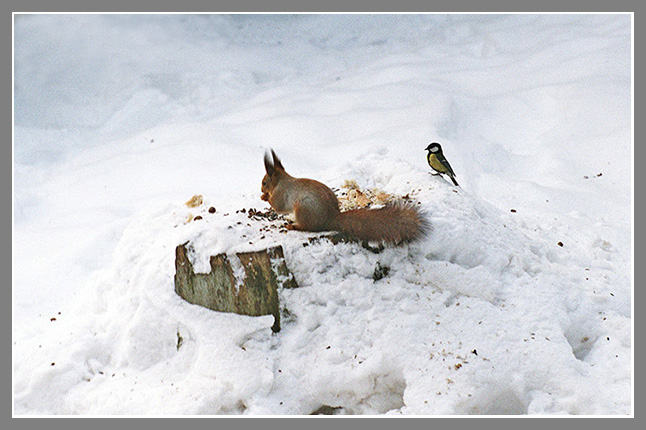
(274, 169)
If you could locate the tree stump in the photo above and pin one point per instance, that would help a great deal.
(219, 290)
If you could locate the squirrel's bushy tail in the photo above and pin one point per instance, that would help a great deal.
(394, 223)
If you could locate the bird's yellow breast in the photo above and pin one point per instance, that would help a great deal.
(435, 163)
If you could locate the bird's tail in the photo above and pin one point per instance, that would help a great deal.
(394, 223)
(454, 181)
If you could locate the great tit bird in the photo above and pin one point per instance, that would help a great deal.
(438, 163)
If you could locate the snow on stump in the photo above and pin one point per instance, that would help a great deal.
(220, 290)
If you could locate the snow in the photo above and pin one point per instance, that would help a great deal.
(518, 302)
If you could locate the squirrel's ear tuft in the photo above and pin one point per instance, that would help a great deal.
(277, 162)
(269, 165)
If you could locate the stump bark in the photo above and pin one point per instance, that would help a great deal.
(220, 290)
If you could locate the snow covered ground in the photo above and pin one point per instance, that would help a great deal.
(121, 119)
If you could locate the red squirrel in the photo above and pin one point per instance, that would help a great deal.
(316, 208)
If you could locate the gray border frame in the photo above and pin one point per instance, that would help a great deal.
(298, 6)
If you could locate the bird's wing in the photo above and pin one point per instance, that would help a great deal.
(446, 163)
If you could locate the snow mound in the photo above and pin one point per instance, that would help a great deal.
(489, 314)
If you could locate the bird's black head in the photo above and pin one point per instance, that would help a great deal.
(434, 148)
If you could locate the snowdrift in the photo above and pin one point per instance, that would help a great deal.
(490, 314)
